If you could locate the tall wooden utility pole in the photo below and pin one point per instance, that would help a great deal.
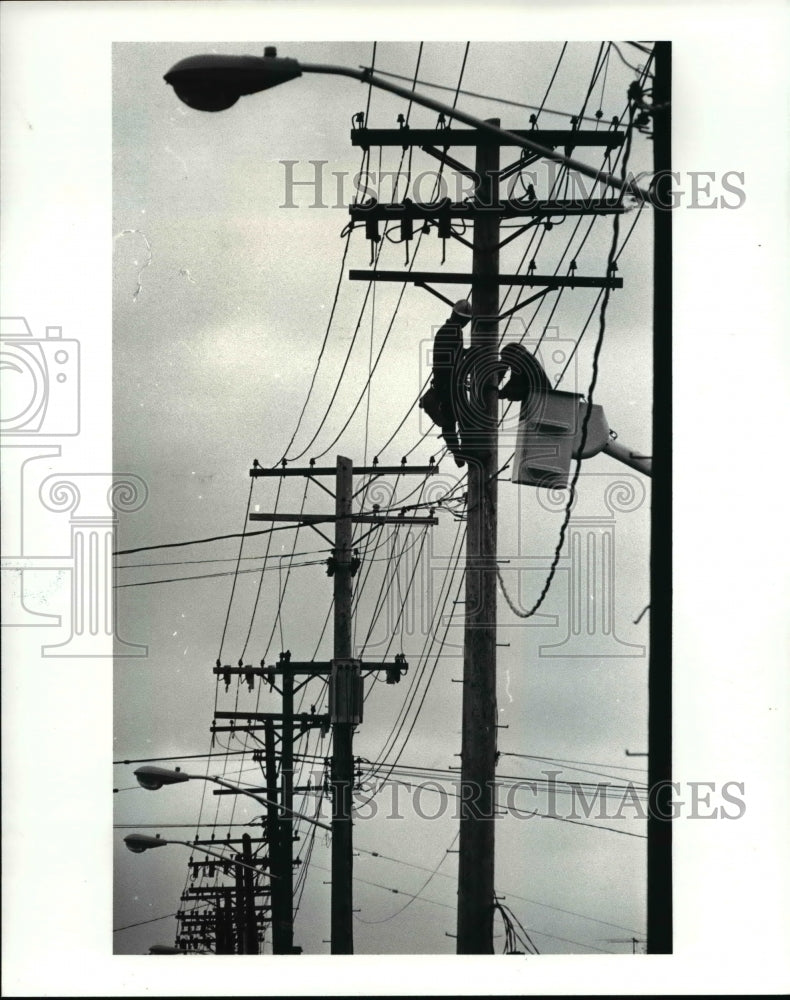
(342, 760)
(659, 763)
(478, 740)
(478, 419)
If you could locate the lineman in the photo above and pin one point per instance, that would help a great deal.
(439, 402)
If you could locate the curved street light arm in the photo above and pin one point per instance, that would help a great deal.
(222, 857)
(367, 76)
(260, 799)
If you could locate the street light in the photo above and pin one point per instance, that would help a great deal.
(153, 778)
(216, 82)
(139, 843)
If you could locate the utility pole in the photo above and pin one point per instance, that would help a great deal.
(245, 901)
(342, 934)
(345, 675)
(282, 924)
(659, 762)
(478, 741)
(279, 820)
(286, 824)
(478, 419)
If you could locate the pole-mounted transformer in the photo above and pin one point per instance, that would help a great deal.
(346, 695)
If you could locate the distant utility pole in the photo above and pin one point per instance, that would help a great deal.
(235, 924)
(345, 675)
(479, 438)
(344, 672)
(245, 901)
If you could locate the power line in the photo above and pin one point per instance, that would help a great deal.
(324, 342)
(400, 295)
(489, 97)
(236, 573)
(419, 892)
(211, 576)
(551, 81)
(508, 892)
(204, 562)
(140, 923)
(202, 541)
(585, 422)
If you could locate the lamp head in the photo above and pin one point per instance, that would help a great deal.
(153, 778)
(215, 83)
(140, 842)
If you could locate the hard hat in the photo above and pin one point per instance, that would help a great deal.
(463, 308)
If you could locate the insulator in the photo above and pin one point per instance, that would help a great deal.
(444, 223)
(371, 222)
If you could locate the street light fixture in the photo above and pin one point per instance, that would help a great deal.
(139, 843)
(153, 778)
(216, 82)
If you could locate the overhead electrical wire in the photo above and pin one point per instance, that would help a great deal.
(487, 97)
(202, 541)
(211, 576)
(397, 304)
(414, 687)
(539, 233)
(348, 354)
(508, 891)
(585, 421)
(419, 892)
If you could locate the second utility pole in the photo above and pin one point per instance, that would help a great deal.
(342, 759)
(478, 741)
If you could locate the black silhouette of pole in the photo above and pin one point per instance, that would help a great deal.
(659, 762)
(342, 934)
(475, 930)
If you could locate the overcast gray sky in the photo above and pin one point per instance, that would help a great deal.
(730, 590)
(221, 297)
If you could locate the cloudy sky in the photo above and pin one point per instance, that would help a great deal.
(220, 299)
